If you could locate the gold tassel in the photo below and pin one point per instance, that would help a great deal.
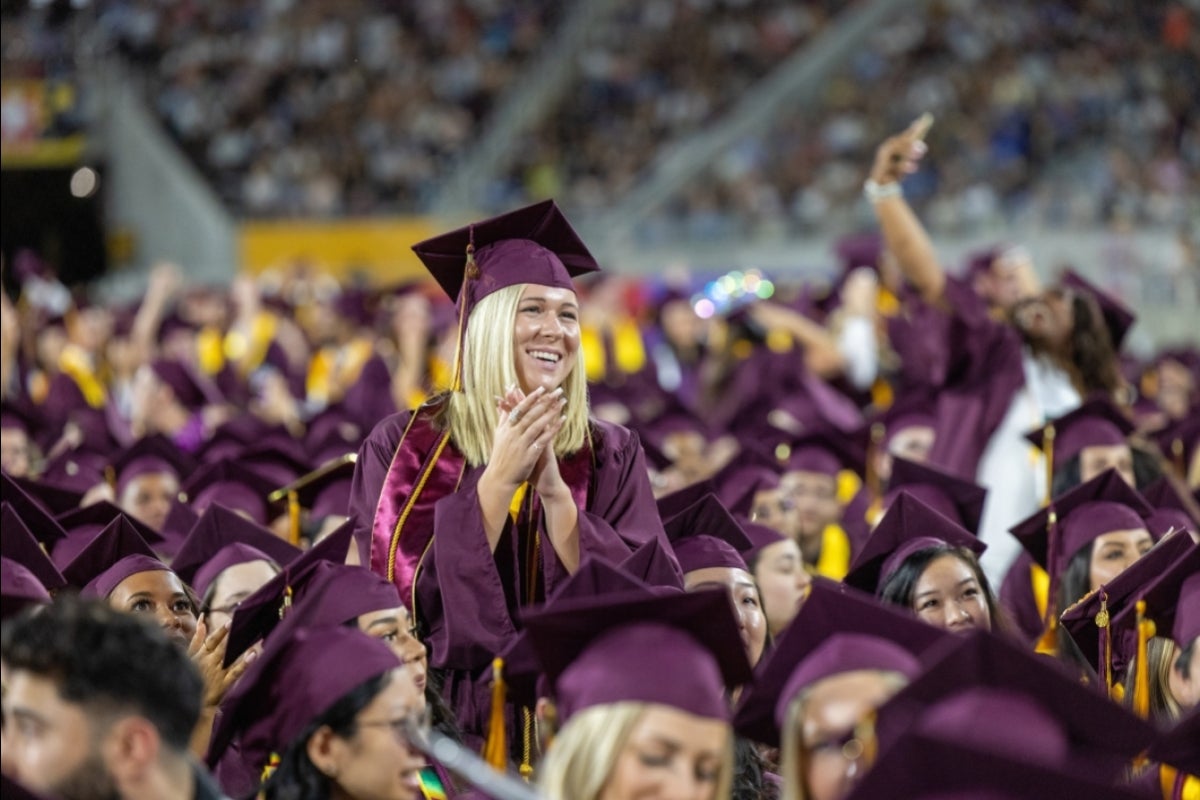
(1048, 449)
(470, 272)
(293, 506)
(1048, 644)
(495, 750)
(1141, 674)
(526, 768)
(1102, 620)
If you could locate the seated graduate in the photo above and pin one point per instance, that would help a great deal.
(641, 687)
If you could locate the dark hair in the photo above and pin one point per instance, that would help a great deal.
(1183, 664)
(750, 770)
(108, 661)
(1146, 470)
(441, 717)
(898, 588)
(1066, 477)
(296, 777)
(1091, 347)
(1073, 584)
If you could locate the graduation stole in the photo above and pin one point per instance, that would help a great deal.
(338, 366)
(76, 365)
(425, 468)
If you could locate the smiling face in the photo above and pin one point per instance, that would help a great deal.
(948, 595)
(377, 761)
(1046, 319)
(545, 337)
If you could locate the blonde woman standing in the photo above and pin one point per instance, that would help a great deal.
(483, 500)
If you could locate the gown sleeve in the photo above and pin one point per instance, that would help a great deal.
(461, 590)
(370, 471)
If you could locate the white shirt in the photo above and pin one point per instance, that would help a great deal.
(1013, 470)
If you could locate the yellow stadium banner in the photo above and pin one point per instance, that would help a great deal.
(41, 126)
(378, 250)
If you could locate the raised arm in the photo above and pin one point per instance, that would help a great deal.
(903, 233)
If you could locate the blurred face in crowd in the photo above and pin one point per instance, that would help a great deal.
(1009, 280)
(1045, 321)
(394, 626)
(1176, 389)
(148, 497)
(52, 745)
(680, 324)
(50, 342)
(688, 452)
(91, 328)
(832, 708)
(1113, 552)
(669, 753)
(233, 586)
(1185, 683)
(783, 581)
(376, 761)
(160, 594)
(148, 396)
(1097, 458)
(15, 456)
(546, 337)
(912, 443)
(775, 510)
(746, 602)
(814, 495)
(949, 595)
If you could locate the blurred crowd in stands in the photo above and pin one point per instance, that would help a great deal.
(1049, 113)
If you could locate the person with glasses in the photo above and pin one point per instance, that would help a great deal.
(325, 712)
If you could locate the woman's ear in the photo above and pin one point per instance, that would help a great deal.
(324, 751)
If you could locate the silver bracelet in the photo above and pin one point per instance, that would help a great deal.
(877, 191)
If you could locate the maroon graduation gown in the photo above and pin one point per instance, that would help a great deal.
(466, 598)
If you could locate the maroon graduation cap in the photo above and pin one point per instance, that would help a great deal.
(535, 244)
(296, 679)
(908, 527)
(838, 629)
(679, 650)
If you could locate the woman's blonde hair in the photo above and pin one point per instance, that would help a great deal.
(584, 753)
(489, 367)
(793, 756)
(1161, 653)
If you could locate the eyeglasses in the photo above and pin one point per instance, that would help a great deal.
(411, 729)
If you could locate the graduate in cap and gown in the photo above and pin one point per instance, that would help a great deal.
(922, 561)
(841, 659)
(485, 498)
(1084, 539)
(324, 713)
(1054, 349)
(641, 689)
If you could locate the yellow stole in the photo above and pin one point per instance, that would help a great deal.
(76, 365)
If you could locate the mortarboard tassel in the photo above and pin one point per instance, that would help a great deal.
(495, 749)
(1048, 451)
(1141, 671)
(293, 506)
(1102, 620)
(1048, 644)
(470, 272)
(871, 475)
